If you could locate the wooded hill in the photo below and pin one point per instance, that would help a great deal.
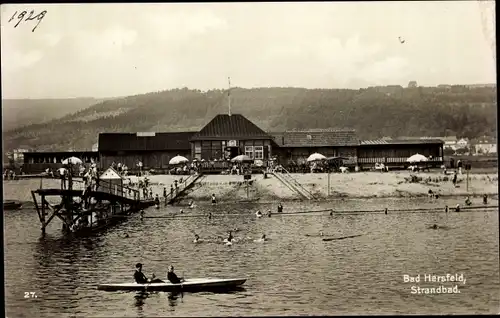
(18, 113)
(373, 112)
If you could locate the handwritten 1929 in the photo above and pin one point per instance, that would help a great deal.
(30, 17)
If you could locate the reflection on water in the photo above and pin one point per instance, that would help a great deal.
(294, 273)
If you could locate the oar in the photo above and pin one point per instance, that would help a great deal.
(182, 291)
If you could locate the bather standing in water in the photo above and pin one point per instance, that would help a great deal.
(485, 199)
(280, 208)
(214, 200)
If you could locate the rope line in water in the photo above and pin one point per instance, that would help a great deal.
(416, 210)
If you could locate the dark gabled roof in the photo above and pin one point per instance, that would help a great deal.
(316, 138)
(380, 142)
(234, 127)
(133, 142)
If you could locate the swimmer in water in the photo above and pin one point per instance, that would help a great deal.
(321, 233)
(269, 213)
(182, 211)
(196, 238)
(258, 214)
(192, 205)
(457, 208)
(229, 238)
(331, 213)
(126, 235)
(435, 226)
(485, 199)
(468, 201)
(210, 215)
(262, 239)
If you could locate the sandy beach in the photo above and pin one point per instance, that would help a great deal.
(231, 188)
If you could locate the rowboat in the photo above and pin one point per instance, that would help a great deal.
(192, 285)
(12, 205)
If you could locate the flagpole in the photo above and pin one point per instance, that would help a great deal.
(229, 95)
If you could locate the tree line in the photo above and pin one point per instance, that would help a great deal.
(373, 112)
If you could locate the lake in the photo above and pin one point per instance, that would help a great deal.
(291, 274)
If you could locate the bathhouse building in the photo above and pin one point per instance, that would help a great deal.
(227, 136)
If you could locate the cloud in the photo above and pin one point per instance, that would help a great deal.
(182, 25)
(105, 45)
(14, 60)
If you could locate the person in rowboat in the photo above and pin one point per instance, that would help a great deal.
(140, 278)
(172, 277)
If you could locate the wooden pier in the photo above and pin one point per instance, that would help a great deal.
(83, 211)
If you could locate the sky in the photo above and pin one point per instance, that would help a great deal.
(110, 50)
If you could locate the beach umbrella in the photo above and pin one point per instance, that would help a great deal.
(72, 160)
(241, 158)
(316, 157)
(177, 160)
(417, 158)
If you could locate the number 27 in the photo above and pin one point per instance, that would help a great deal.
(30, 295)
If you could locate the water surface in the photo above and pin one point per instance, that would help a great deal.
(291, 274)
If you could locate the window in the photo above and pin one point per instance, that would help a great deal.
(197, 151)
(259, 152)
(249, 151)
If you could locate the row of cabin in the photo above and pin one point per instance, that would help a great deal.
(227, 136)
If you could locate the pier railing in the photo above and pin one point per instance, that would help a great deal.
(79, 184)
(118, 189)
(181, 186)
(300, 188)
(397, 160)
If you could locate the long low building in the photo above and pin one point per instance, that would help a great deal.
(153, 150)
(395, 152)
(227, 136)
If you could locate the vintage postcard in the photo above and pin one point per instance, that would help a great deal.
(250, 159)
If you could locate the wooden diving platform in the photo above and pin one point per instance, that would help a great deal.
(86, 211)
